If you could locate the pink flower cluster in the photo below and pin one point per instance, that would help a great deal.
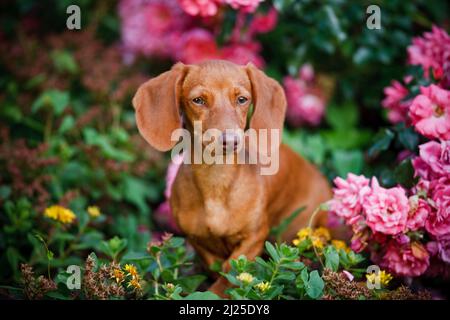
(169, 29)
(209, 8)
(385, 221)
(305, 99)
(429, 111)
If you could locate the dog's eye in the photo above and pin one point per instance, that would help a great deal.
(242, 100)
(198, 100)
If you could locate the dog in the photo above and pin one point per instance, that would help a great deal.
(227, 210)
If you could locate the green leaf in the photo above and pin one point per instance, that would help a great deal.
(342, 117)
(404, 174)
(331, 258)
(56, 99)
(207, 295)
(190, 283)
(347, 161)
(272, 252)
(315, 285)
(382, 141)
(408, 138)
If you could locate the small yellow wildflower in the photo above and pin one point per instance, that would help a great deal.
(245, 277)
(134, 282)
(131, 269)
(385, 277)
(304, 233)
(263, 286)
(94, 211)
(59, 213)
(322, 233)
(317, 243)
(118, 275)
(339, 244)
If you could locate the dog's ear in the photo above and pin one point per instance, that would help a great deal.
(157, 105)
(269, 103)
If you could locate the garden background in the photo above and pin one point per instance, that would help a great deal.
(79, 186)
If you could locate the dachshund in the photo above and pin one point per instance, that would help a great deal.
(227, 210)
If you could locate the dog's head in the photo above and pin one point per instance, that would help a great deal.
(217, 93)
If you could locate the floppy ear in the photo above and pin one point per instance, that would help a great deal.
(157, 105)
(269, 103)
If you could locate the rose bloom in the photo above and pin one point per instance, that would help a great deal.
(430, 112)
(431, 51)
(262, 23)
(248, 6)
(397, 108)
(409, 260)
(438, 223)
(204, 8)
(147, 26)
(306, 103)
(386, 209)
(433, 161)
(348, 197)
(418, 213)
(195, 46)
(243, 53)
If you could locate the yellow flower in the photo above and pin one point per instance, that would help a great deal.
(304, 233)
(94, 211)
(322, 233)
(263, 286)
(118, 275)
(317, 243)
(131, 269)
(385, 277)
(245, 277)
(134, 282)
(59, 213)
(339, 244)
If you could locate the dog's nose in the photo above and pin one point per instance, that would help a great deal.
(230, 141)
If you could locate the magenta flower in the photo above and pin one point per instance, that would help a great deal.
(386, 209)
(147, 26)
(204, 8)
(195, 46)
(431, 51)
(434, 160)
(444, 247)
(438, 223)
(409, 260)
(247, 6)
(430, 112)
(306, 102)
(348, 197)
(394, 102)
(243, 53)
(418, 213)
(262, 23)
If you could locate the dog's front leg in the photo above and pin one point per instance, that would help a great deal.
(250, 247)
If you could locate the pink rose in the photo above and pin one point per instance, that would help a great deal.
(348, 197)
(306, 103)
(196, 45)
(264, 23)
(359, 241)
(397, 108)
(430, 112)
(434, 160)
(248, 6)
(431, 51)
(409, 260)
(243, 53)
(204, 8)
(418, 213)
(438, 223)
(386, 209)
(147, 26)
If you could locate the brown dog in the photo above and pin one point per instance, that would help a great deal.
(227, 210)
